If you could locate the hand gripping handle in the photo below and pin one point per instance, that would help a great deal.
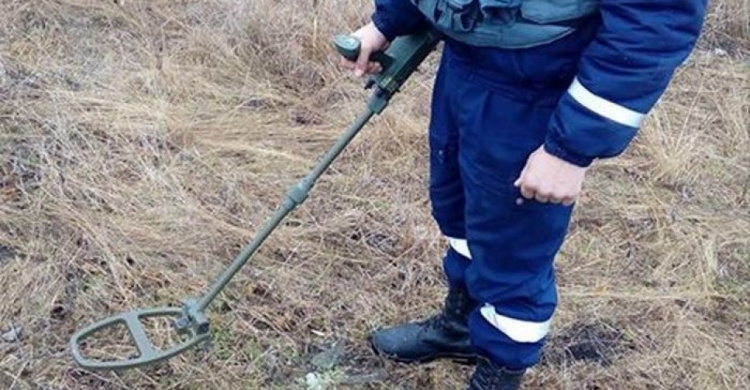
(148, 354)
(348, 46)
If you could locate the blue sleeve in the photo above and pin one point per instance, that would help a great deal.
(397, 17)
(621, 76)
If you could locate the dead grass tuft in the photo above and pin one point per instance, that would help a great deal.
(727, 29)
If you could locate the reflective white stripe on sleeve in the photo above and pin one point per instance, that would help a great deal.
(518, 330)
(461, 246)
(604, 107)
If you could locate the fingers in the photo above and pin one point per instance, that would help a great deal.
(346, 64)
(541, 197)
(363, 62)
(534, 191)
(521, 178)
(546, 181)
(371, 40)
(565, 200)
(528, 191)
(372, 67)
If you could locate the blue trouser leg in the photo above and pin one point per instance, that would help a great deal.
(482, 130)
(446, 188)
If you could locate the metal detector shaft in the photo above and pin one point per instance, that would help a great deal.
(294, 197)
(400, 60)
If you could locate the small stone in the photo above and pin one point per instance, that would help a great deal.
(328, 359)
(314, 381)
(365, 378)
(6, 253)
(254, 103)
(719, 52)
(13, 334)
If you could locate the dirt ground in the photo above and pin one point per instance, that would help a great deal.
(143, 143)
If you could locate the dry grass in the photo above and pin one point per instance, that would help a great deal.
(144, 142)
(728, 27)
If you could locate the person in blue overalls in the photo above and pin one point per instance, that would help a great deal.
(528, 94)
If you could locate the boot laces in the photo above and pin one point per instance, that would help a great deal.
(488, 376)
(454, 311)
(457, 305)
(437, 322)
(485, 376)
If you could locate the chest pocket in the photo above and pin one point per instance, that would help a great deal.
(455, 15)
(463, 15)
(500, 11)
(506, 23)
(555, 11)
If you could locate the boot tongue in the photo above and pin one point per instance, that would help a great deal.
(458, 305)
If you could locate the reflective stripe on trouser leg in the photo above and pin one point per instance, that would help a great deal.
(517, 330)
(454, 266)
(461, 246)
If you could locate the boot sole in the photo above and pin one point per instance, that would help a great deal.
(463, 359)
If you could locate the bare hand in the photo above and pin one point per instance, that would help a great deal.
(372, 40)
(547, 178)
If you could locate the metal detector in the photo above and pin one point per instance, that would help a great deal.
(399, 61)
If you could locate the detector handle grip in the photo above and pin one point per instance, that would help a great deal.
(349, 46)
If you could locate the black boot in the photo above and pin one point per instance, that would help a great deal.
(490, 376)
(444, 335)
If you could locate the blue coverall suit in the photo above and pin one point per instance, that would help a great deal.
(583, 97)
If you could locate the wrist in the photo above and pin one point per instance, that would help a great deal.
(383, 25)
(555, 148)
